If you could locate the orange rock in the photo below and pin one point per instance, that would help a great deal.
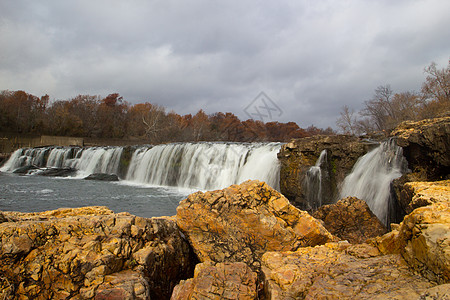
(350, 219)
(240, 223)
(218, 281)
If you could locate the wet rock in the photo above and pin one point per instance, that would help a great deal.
(56, 172)
(338, 271)
(91, 252)
(350, 219)
(102, 177)
(297, 156)
(426, 145)
(25, 169)
(240, 223)
(218, 281)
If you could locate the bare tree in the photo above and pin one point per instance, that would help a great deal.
(379, 108)
(347, 121)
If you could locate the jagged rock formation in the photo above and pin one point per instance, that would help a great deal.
(350, 219)
(91, 252)
(413, 195)
(219, 281)
(426, 145)
(423, 238)
(241, 222)
(299, 155)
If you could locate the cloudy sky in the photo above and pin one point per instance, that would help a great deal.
(310, 57)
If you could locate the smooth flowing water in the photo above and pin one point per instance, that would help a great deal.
(313, 182)
(371, 178)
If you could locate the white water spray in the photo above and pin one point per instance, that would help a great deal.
(205, 165)
(372, 175)
(85, 160)
(202, 166)
(313, 182)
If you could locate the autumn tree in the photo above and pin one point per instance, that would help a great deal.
(85, 108)
(112, 112)
(23, 113)
(63, 121)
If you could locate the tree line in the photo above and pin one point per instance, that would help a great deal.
(112, 117)
(386, 109)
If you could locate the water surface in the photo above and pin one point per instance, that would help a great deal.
(34, 193)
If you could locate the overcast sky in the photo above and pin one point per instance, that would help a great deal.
(309, 57)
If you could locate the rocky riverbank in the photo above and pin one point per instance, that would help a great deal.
(246, 242)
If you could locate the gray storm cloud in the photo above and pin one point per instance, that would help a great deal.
(310, 57)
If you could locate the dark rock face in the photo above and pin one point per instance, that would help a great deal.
(426, 146)
(298, 156)
(125, 159)
(25, 169)
(3, 218)
(102, 177)
(350, 219)
(56, 172)
(91, 253)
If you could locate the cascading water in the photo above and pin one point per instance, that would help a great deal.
(205, 165)
(192, 165)
(372, 175)
(313, 182)
(86, 161)
(96, 160)
(25, 157)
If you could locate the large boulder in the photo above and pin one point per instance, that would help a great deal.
(339, 271)
(426, 145)
(350, 219)
(102, 177)
(241, 222)
(56, 172)
(219, 281)
(423, 238)
(298, 156)
(92, 252)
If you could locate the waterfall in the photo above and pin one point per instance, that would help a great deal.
(313, 182)
(372, 175)
(25, 157)
(85, 160)
(96, 160)
(202, 166)
(205, 165)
